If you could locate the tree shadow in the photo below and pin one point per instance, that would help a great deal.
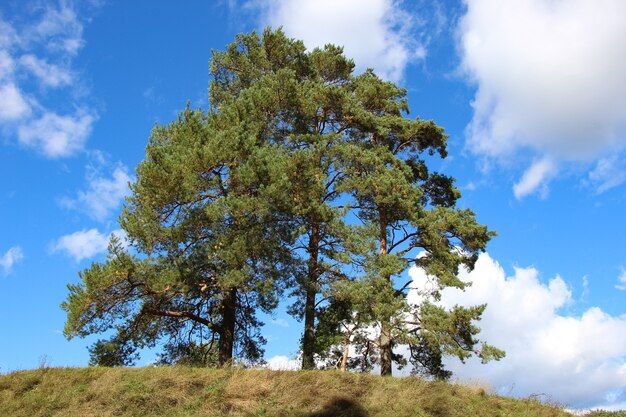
(340, 407)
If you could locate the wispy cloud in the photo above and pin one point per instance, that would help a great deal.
(44, 48)
(609, 172)
(49, 75)
(536, 178)
(585, 291)
(10, 258)
(59, 29)
(104, 193)
(7, 64)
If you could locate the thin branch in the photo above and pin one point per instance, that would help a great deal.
(406, 237)
(321, 301)
(404, 287)
(179, 314)
(400, 146)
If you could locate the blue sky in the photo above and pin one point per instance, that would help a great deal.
(531, 92)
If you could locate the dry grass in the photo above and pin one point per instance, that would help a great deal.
(182, 391)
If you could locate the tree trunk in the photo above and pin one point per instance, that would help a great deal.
(386, 350)
(386, 339)
(346, 351)
(227, 329)
(308, 339)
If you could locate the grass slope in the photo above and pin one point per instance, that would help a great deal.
(182, 391)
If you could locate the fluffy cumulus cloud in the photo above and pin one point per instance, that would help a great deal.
(104, 193)
(375, 33)
(10, 258)
(576, 360)
(34, 57)
(550, 76)
(85, 244)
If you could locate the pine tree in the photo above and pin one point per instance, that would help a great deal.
(302, 95)
(407, 209)
(210, 243)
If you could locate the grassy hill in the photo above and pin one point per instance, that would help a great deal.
(182, 391)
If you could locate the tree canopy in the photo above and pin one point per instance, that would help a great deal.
(301, 178)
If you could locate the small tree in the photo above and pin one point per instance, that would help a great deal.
(114, 352)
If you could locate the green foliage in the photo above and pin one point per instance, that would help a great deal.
(111, 353)
(302, 177)
(205, 218)
(189, 354)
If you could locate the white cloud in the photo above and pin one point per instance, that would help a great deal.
(536, 178)
(103, 195)
(282, 363)
(550, 78)
(13, 105)
(85, 244)
(57, 136)
(550, 74)
(575, 360)
(10, 258)
(375, 33)
(50, 75)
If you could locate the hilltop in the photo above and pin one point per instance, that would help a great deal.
(183, 391)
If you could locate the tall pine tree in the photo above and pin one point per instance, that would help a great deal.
(409, 211)
(303, 96)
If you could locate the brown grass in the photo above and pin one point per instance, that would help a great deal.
(182, 391)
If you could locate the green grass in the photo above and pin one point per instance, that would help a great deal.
(182, 391)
